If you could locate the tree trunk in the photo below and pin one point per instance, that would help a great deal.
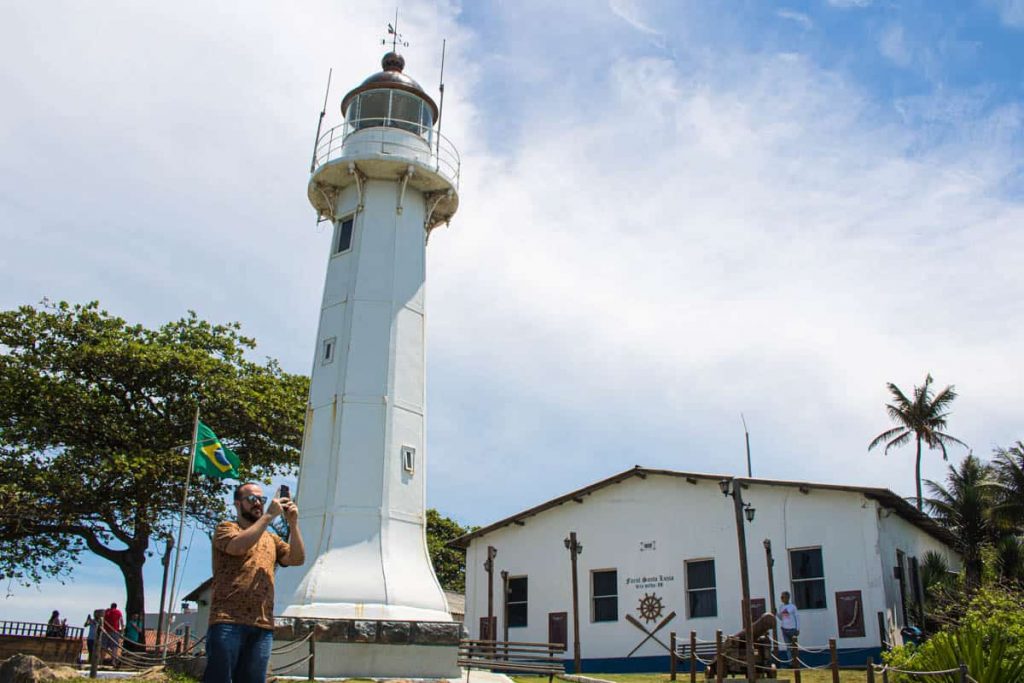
(973, 572)
(917, 472)
(131, 564)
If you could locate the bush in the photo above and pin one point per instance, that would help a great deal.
(987, 636)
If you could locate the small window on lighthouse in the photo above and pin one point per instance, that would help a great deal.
(328, 353)
(409, 459)
(345, 226)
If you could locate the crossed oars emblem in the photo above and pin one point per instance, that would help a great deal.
(650, 634)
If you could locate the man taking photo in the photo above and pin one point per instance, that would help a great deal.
(242, 608)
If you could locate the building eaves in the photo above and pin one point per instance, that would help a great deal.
(884, 497)
(197, 591)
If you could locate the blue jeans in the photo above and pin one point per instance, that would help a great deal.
(236, 653)
(787, 635)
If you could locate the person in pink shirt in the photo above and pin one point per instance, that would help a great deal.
(113, 622)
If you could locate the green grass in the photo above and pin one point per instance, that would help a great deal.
(806, 676)
(169, 677)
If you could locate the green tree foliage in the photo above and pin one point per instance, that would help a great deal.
(987, 636)
(95, 419)
(922, 418)
(964, 506)
(1009, 469)
(449, 563)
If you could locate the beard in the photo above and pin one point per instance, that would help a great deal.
(252, 515)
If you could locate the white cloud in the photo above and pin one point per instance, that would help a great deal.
(893, 46)
(849, 3)
(629, 11)
(1011, 12)
(644, 249)
(798, 17)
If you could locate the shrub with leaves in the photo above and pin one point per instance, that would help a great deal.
(988, 638)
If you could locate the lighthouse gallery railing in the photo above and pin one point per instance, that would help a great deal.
(423, 142)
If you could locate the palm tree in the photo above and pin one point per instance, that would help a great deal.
(964, 506)
(923, 418)
(1009, 484)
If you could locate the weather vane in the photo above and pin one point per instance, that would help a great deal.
(395, 36)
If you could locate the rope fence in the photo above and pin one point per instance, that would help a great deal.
(130, 654)
(309, 659)
(725, 660)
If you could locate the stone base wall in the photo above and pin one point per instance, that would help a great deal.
(439, 633)
(63, 650)
(371, 649)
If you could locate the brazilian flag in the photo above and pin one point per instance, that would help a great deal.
(213, 458)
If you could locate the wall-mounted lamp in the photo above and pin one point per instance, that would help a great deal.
(748, 512)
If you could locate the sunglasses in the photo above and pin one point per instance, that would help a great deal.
(252, 498)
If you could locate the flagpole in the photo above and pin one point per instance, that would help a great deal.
(181, 526)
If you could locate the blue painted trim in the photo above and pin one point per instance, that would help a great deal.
(661, 664)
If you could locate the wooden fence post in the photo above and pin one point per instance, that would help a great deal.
(885, 674)
(963, 673)
(794, 658)
(672, 656)
(871, 669)
(693, 657)
(719, 657)
(311, 673)
(188, 639)
(834, 655)
(97, 649)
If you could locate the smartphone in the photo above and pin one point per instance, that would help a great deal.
(285, 492)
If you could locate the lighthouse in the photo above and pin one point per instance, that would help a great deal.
(384, 179)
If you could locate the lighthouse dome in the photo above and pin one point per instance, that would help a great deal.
(389, 98)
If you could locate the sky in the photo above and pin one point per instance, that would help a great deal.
(671, 214)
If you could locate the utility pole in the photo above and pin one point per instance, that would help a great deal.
(575, 548)
(492, 552)
(504, 604)
(770, 560)
(166, 561)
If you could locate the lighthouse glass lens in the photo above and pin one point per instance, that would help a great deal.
(372, 110)
(405, 112)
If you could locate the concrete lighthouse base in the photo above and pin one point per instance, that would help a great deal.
(364, 648)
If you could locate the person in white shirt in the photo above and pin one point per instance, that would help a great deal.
(789, 622)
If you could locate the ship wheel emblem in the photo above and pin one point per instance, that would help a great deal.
(650, 607)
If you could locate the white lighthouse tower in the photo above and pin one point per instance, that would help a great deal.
(384, 178)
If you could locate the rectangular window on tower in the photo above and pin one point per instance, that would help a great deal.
(409, 459)
(344, 234)
(328, 350)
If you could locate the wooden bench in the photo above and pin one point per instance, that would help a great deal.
(500, 656)
(733, 661)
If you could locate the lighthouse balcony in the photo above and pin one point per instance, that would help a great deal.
(389, 138)
(386, 148)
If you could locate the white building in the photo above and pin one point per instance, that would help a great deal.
(660, 551)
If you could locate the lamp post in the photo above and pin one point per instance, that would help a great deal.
(575, 548)
(734, 487)
(492, 552)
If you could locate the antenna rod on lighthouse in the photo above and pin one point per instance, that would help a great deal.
(440, 107)
(320, 123)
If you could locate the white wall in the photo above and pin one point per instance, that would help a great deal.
(898, 534)
(685, 521)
